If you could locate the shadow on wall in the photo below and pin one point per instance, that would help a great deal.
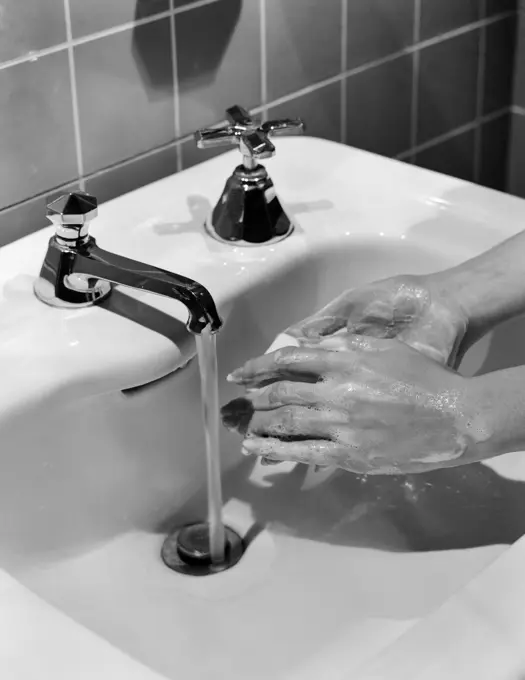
(200, 49)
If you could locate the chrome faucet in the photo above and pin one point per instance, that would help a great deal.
(249, 211)
(77, 273)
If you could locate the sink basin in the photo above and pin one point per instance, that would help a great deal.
(102, 444)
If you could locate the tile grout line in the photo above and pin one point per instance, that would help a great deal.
(414, 112)
(194, 5)
(382, 61)
(119, 164)
(97, 35)
(43, 194)
(482, 47)
(264, 58)
(175, 77)
(452, 133)
(402, 156)
(344, 68)
(32, 56)
(74, 97)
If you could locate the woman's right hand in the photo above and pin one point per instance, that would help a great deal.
(416, 310)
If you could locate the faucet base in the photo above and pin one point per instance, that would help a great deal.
(78, 291)
(249, 213)
(210, 230)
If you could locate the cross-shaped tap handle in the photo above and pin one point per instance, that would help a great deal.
(252, 137)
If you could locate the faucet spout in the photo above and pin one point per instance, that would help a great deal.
(97, 263)
(77, 273)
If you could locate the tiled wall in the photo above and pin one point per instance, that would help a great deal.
(516, 178)
(104, 94)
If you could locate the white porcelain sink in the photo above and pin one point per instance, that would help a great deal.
(91, 477)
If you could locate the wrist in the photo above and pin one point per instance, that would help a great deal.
(496, 414)
(456, 287)
(465, 292)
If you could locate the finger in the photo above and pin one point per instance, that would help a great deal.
(269, 461)
(347, 341)
(289, 393)
(318, 326)
(329, 319)
(296, 422)
(316, 452)
(304, 364)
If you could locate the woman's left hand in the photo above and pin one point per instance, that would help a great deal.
(363, 404)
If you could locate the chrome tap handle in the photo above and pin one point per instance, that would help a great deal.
(211, 137)
(71, 214)
(238, 116)
(284, 126)
(249, 135)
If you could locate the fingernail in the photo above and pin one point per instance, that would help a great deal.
(269, 461)
(234, 376)
(250, 446)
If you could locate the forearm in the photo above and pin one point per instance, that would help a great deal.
(491, 287)
(499, 400)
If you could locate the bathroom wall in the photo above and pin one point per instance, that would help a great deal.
(104, 94)
(516, 170)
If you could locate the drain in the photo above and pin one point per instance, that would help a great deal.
(186, 550)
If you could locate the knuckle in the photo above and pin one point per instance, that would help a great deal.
(289, 419)
(277, 393)
(284, 354)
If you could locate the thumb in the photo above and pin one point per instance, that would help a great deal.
(317, 326)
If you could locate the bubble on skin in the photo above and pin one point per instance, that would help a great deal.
(410, 491)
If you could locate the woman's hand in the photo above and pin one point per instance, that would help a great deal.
(413, 309)
(374, 406)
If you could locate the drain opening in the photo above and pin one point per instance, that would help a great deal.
(187, 551)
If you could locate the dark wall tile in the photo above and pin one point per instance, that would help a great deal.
(447, 85)
(441, 16)
(185, 3)
(133, 174)
(499, 62)
(320, 110)
(516, 173)
(303, 43)
(26, 218)
(379, 106)
(498, 6)
(37, 144)
(377, 28)
(125, 91)
(519, 66)
(220, 67)
(28, 25)
(454, 157)
(495, 136)
(98, 15)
